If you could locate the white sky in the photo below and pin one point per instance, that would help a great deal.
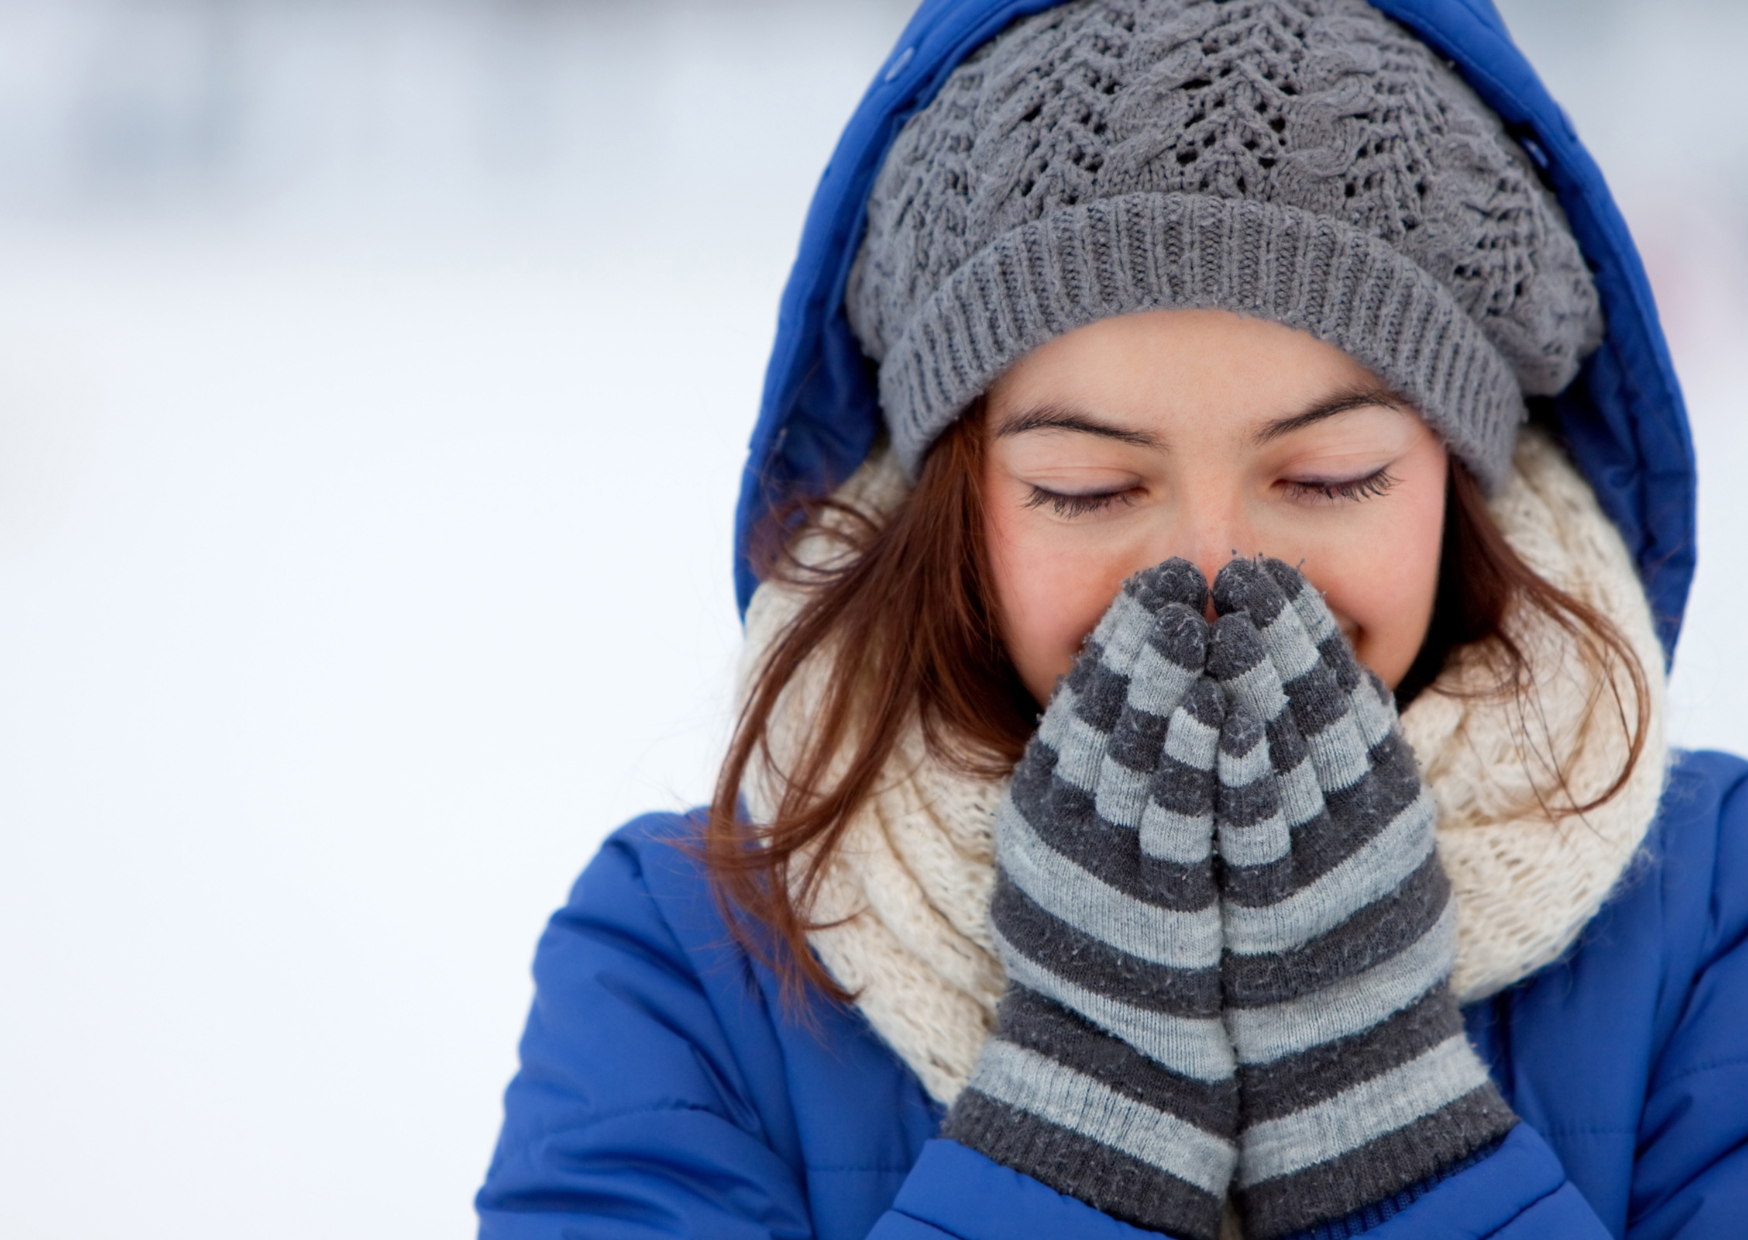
(374, 379)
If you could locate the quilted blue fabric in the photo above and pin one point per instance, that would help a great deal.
(665, 1091)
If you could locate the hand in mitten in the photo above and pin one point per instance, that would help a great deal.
(1110, 1076)
(1356, 1081)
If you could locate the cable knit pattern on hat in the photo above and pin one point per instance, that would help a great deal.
(913, 881)
(1305, 161)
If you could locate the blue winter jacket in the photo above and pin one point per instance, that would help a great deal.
(665, 1092)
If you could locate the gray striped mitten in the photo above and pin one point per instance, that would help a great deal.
(1110, 1077)
(1356, 1081)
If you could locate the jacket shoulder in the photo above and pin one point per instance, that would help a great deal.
(1702, 824)
(649, 1064)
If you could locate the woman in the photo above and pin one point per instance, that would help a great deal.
(1171, 360)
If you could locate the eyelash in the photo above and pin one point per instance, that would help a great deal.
(1369, 487)
(1077, 505)
(1357, 489)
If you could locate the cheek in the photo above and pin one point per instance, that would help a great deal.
(1048, 597)
(1383, 583)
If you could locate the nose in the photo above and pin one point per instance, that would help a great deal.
(1208, 531)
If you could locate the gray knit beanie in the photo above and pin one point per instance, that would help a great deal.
(1304, 161)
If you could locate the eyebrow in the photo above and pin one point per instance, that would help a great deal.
(1066, 418)
(1063, 418)
(1342, 402)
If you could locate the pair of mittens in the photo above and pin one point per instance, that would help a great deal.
(1226, 931)
(1110, 1076)
(1357, 1082)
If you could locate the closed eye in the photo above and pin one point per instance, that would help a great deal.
(1078, 505)
(1318, 491)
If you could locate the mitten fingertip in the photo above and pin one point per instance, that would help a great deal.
(1181, 635)
(1174, 581)
(1288, 579)
(1234, 646)
(1242, 586)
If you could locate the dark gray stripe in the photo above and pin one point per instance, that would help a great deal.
(1241, 736)
(1167, 666)
(1353, 816)
(1138, 739)
(1086, 665)
(1198, 1048)
(1099, 693)
(1316, 700)
(1182, 788)
(1180, 635)
(1376, 1170)
(1248, 804)
(1030, 1020)
(1097, 966)
(1177, 937)
(1234, 647)
(1067, 820)
(1360, 1114)
(1244, 585)
(1065, 1096)
(1287, 1085)
(1372, 935)
(1338, 654)
(1266, 1034)
(1108, 1180)
(1173, 581)
(1287, 748)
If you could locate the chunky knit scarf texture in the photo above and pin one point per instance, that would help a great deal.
(907, 895)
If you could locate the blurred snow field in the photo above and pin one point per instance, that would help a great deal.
(374, 379)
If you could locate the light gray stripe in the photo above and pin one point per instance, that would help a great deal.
(1373, 717)
(1339, 754)
(1301, 798)
(1056, 719)
(1378, 868)
(1122, 793)
(1158, 685)
(1081, 753)
(1192, 742)
(1180, 940)
(1258, 844)
(1059, 1095)
(1242, 770)
(1362, 1113)
(1170, 836)
(1122, 632)
(1314, 613)
(1189, 1047)
(1260, 689)
(1290, 646)
(1266, 1034)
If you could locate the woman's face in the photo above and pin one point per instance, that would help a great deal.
(1201, 434)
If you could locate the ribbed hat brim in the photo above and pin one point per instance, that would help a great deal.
(1151, 251)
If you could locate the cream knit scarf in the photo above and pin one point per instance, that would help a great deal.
(911, 884)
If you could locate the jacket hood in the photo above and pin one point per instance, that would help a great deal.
(1622, 419)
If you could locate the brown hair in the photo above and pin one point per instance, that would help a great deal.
(904, 619)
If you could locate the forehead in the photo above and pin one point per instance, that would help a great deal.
(1178, 363)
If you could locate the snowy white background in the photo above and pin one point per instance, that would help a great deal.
(374, 377)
